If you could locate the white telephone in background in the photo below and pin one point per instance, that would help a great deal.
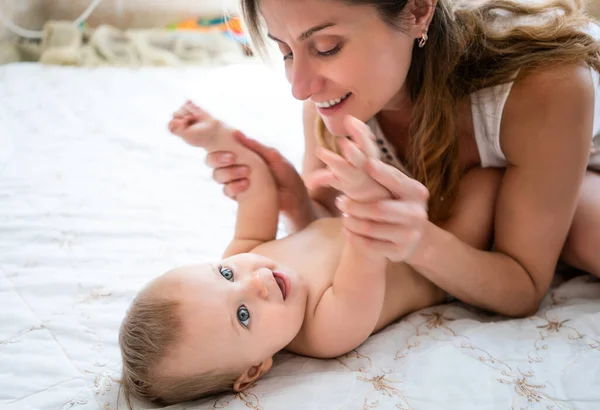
(39, 34)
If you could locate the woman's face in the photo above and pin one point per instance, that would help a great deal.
(342, 57)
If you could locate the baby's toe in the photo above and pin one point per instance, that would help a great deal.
(175, 125)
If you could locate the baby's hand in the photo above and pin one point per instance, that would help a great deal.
(347, 173)
(195, 126)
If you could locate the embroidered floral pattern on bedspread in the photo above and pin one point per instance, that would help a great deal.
(96, 199)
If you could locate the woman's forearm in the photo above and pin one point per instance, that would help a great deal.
(488, 280)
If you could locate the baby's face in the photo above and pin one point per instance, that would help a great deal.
(236, 313)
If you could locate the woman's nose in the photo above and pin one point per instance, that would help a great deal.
(304, 79)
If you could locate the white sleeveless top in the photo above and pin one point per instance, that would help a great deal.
(487, 108)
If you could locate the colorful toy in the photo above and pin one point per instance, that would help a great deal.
(230, 26)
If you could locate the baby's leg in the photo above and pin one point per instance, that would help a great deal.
(258, 206)
(198, 128)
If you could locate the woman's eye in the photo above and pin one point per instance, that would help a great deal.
(243, 316)
(226, 273)
(330, 52)
(288, 56)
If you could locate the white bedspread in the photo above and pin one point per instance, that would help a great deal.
(96, 198)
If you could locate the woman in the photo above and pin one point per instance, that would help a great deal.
(446, 90)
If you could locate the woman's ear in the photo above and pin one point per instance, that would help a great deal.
(252, 374)
(421, 14)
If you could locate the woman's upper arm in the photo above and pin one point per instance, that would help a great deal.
(323, 195)
(546, 132)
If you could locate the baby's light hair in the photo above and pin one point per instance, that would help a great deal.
(150, 329)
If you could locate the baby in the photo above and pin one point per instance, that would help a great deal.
(213, 327)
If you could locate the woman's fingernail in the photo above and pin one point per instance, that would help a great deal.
(340, 203)
(226, 159)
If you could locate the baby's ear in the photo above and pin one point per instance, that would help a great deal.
(252, 374)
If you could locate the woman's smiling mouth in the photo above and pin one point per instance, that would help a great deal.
(332, 103)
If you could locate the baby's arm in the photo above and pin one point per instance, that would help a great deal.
(349, 309)
(258, 207)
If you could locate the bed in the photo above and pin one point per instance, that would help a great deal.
(97, 198)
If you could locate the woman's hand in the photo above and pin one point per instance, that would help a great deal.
(384, 210)
(390, 227)
(293, 195)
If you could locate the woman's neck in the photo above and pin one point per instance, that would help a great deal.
(396, 115)
(394, 121)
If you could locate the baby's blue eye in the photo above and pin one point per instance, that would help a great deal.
(243, 316)
(226, 273)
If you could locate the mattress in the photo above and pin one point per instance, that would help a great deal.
(97, 198)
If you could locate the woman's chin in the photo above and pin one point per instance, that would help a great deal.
(335, 125)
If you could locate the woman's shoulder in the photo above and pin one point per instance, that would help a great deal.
(546, 99)
(555, 79)
(561, 85)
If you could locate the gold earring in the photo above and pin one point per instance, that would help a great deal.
(423, 40)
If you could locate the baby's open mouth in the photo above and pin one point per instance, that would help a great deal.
(281, 284)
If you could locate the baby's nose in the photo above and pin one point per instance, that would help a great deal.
(258, 284)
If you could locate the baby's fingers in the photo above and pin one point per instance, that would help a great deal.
(323, 177)
(338, 165)
(362, 135)
(353, 154)
(398, 183)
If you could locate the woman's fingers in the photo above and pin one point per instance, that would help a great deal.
(234, 188)
(388, 211)
(284, 172)
(371, 246)
(225, 175)
(398, 183)
(220, 159)
(396, 242)
(268, 154)
(397, 234)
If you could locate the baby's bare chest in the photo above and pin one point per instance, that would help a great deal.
(314, 253)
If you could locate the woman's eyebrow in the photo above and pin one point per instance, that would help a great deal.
(307, 33)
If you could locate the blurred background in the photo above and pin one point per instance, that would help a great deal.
(146, 32)
(32, 14)
(134, 32)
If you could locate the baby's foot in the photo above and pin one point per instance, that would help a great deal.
(196, 126)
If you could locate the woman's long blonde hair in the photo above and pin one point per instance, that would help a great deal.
(467, 51)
